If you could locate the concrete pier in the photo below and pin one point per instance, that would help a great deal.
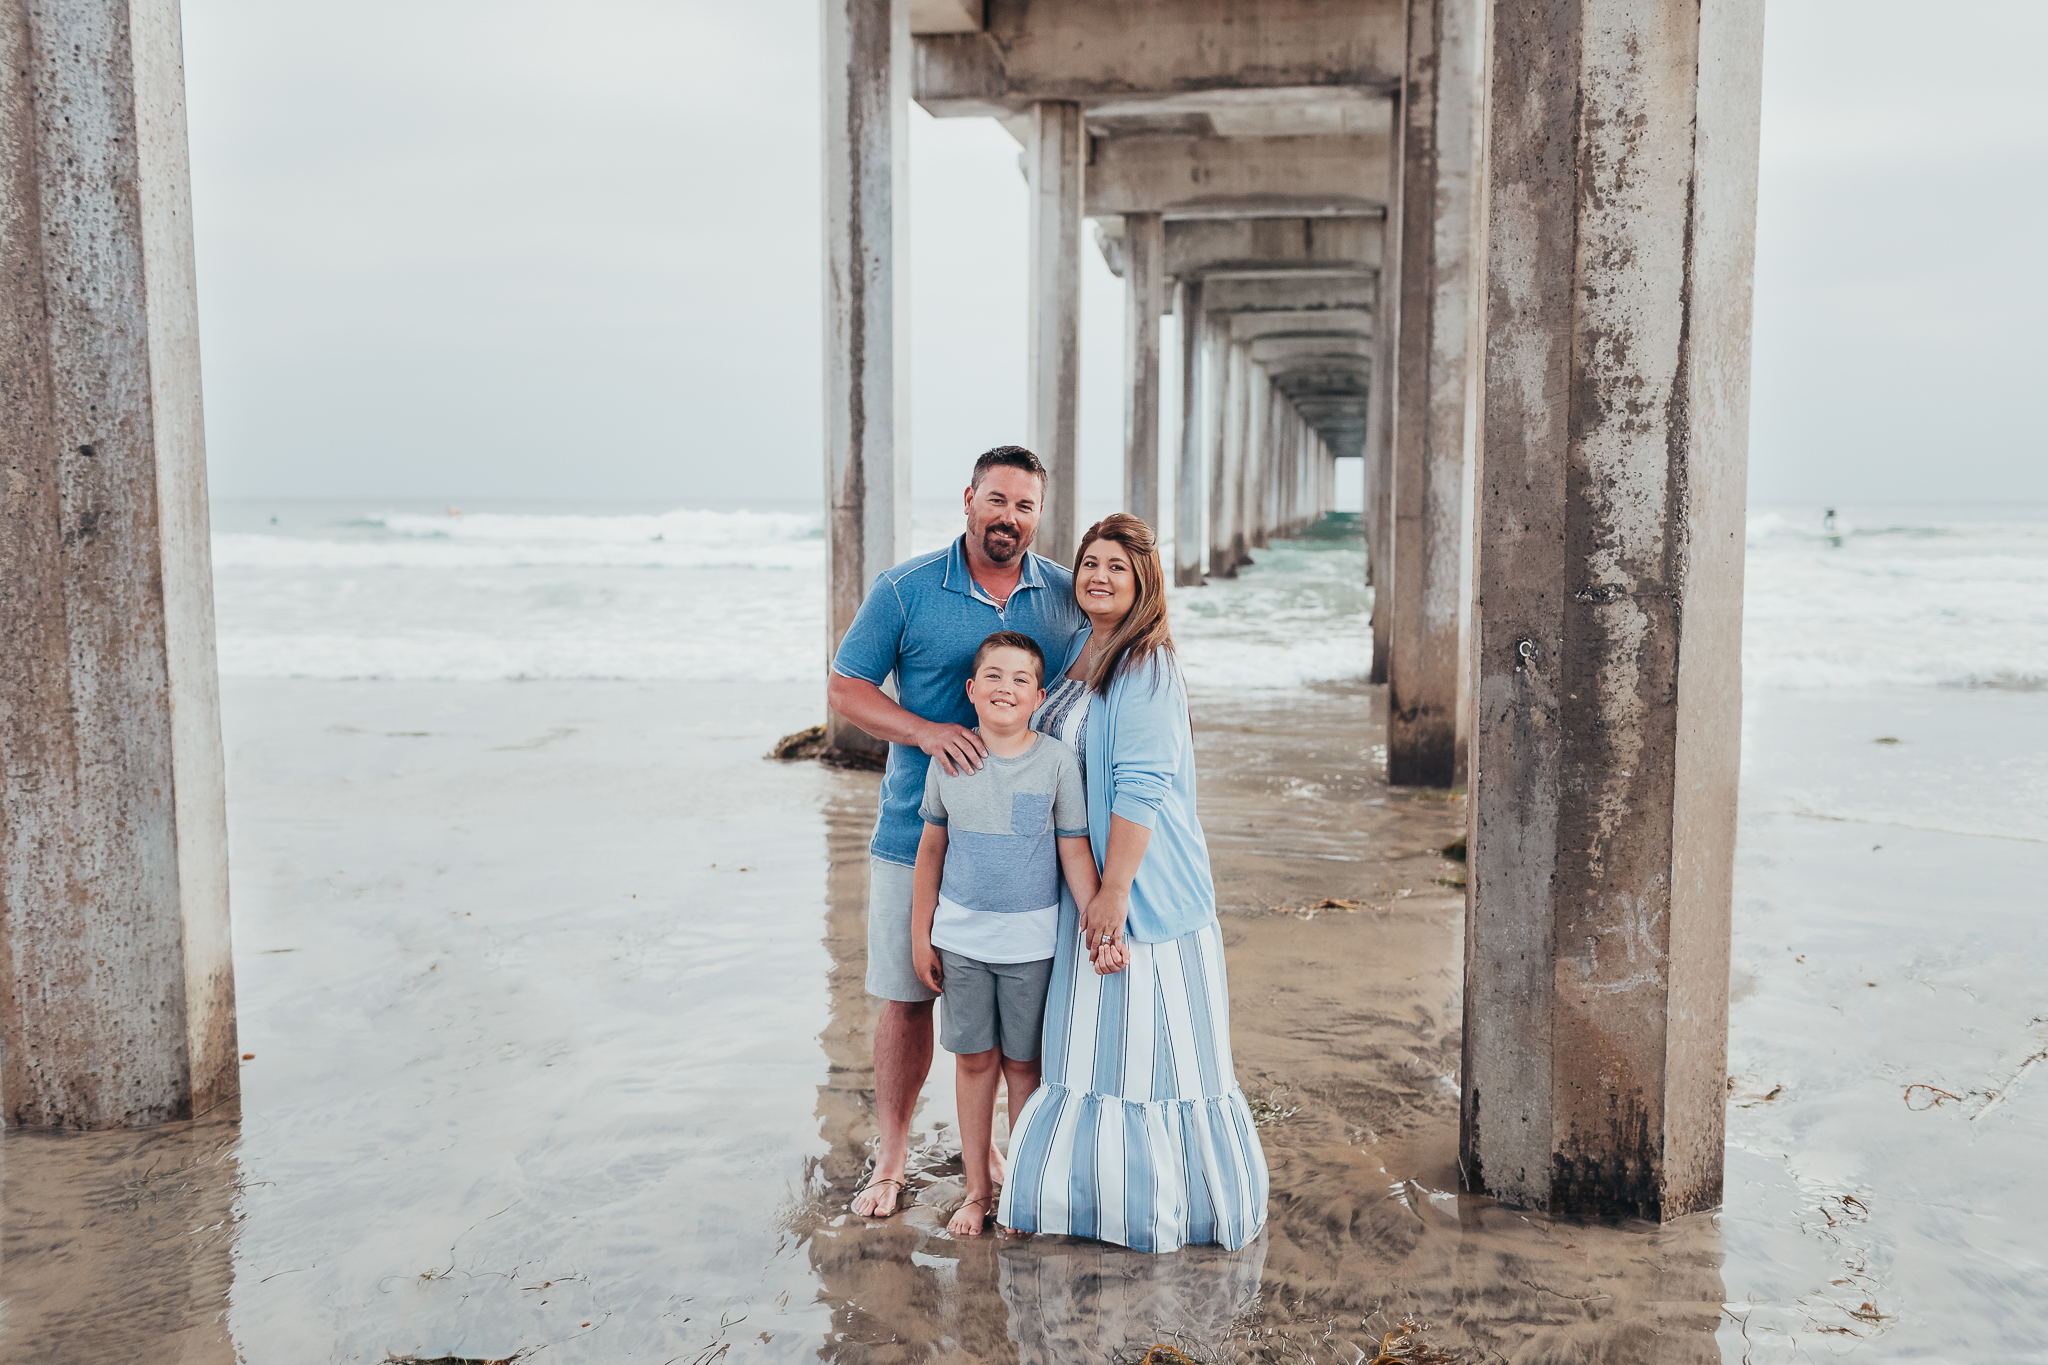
(866, 55)
(1144, 301)
(119, 1006)
(1054, 157)
(1621, 207)
(1187, 485)
(1539, 352)
(1424, 610)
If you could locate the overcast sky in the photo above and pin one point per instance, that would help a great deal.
(458, 249)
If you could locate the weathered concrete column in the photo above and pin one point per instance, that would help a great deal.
(1144, 302)
(1623, 154)
(1226, 402)
(1258, 468)
(119, 1007)
(1187, 476)
(1054, 158)
(866, 56)
(1379, 448)
(1436, 280)
(1245, 496)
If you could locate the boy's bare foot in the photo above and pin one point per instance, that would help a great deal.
(969, 1219)
(996, 1167)
(878, 1198)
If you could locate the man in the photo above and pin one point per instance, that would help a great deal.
(922, 621)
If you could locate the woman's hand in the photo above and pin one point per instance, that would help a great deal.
(1102, 919)
(1111, 958)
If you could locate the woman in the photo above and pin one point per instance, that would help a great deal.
(1138, 1133)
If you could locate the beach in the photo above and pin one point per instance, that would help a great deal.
(553, 990)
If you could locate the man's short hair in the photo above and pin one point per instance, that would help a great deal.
(1016, 457)
(1010, 639)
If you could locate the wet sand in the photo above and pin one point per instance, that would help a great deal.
(554, 991)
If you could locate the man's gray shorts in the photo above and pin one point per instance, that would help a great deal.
(987, 1002)
(890, 972)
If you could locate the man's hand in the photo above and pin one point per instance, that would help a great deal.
(925, 959)
(957, 748)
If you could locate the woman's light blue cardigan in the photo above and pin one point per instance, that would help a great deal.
(1141, 765)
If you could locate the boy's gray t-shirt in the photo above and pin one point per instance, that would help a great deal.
(999, 899)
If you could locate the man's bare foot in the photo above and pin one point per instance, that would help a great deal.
(877, 1198)
(969, 1219)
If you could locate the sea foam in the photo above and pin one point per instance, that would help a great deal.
(1892, 596)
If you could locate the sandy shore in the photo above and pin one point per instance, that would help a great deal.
(554, 991)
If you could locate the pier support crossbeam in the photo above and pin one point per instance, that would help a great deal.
(119, 1000)
(1621, 212)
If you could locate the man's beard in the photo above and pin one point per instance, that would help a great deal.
(1001, 553)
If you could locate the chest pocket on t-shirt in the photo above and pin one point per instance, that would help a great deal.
(1029, 812)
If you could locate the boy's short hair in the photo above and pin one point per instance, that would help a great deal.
(1010, 639)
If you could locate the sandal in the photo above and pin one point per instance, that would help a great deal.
(901, 1187)
(988, 1209)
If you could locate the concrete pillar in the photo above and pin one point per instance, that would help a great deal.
(1245, 495)
(1054, 156)
(866, 55)
(1187, 477)
(1144, 302)
(1226, 401)
(119, 1007)
(1609, 580)
(1259, 473)
(1379, 448)
(1436, 282)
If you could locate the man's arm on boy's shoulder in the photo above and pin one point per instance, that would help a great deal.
(924, 904)
(868, 653)
(957, 748)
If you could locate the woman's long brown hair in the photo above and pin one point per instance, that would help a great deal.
(1142, 633)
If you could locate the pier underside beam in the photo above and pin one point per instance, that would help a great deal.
(1430, 390)
(119, 999)
(1609, 587)
(1186, 176)
(1302, 66)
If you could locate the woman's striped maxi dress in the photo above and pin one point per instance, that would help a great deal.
(1138, 1134)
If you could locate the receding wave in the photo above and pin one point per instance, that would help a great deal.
(685, 538)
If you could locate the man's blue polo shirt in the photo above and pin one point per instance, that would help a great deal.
(922, 621)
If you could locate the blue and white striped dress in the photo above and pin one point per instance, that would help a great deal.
(1138, 1134)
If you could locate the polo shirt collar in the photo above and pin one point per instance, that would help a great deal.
(959, 579)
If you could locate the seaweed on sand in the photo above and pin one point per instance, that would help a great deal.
(807, 745)
(1256, 1346)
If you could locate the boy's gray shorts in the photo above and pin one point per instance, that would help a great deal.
(987, 1002)
(891, 974)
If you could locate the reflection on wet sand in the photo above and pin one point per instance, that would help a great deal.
(119, 1246)
(1346, 1015)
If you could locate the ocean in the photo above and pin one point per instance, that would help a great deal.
(1919, 596)
(550, 996)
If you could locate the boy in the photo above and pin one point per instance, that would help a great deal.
(985, 903)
